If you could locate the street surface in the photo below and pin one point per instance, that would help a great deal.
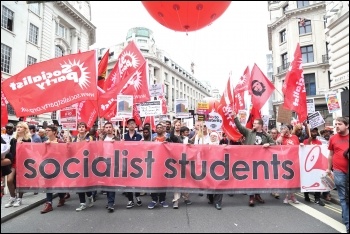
(236, 216)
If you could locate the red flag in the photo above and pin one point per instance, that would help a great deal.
(253, 115)
(136, 84)
(102, 70)
(4, 113)
(87, 112)
(295, 97)
(242, 84)
(129, 61)
(224, 109)
(136, 115)
(151, 121)
(259, 87)
(53, 84)
(164, 106)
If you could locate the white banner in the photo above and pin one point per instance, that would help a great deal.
(151, 108)
(313, 164)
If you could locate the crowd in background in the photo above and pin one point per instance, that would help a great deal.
(178, 132)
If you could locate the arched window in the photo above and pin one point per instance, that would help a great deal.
(58, 51)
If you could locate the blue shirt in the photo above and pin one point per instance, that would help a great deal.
(36, 138)
(135, 137)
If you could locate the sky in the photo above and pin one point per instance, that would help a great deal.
(235, 40)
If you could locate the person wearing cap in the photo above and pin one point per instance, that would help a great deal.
(254, 136)
(313, 141)
(9, 133)
(132, 135)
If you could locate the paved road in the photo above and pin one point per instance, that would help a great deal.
(236, 216)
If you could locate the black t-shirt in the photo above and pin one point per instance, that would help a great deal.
(258, 138)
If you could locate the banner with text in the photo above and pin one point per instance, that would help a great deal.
(151, 166)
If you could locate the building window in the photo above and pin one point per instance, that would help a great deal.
(33, 34)
(58, 52)
(284, 58)
(310, 84)
(10, 109)
(31, 60)
(301, 4)
(7, 18)
(283, 36)
(35, 8)
(6, 53)
(142, 41)
(307, 53)
(305, 27)
(61, 31)
(166, 77)
(54, 115)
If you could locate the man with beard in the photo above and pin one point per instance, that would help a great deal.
(255, 136)
(338, 144)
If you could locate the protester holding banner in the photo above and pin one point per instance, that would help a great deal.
(132, 135)
(184, 133)
(22, 135)
(313, 141)
(202, 137)
(109, 136)
(274, 135)
(83, 135)
(286, 138)
(146, 134)
(8, 135)
(254, 136)
(217, 197)
(158, 197)
(338, 144)
(51, 132)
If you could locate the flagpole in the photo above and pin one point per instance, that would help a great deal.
(279, 92)
(123, 127)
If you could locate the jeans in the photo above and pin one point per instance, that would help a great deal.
(49, 196)
(155, 196)
(340, 180)
(110, 198)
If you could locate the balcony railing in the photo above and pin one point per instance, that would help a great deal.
(325, 58)
(283, 68)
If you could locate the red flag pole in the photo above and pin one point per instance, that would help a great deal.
(123, 127)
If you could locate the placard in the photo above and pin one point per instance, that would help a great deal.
(284, 115)
(310, 103)
(151, 108)
(69, 117)
(156, 90)
(315, 119)
(332, 102)
(181, 108)
(125, 106)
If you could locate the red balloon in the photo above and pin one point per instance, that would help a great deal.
(185, 16)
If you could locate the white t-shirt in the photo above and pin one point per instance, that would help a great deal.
(202, 141)
(107, 138)
(7, 137)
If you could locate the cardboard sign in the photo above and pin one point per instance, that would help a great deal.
(284, 115)
(155, 90)
(69, 118)
(310, 103)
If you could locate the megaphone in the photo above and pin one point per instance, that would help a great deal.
(315, 160)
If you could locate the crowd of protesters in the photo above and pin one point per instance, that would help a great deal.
(178, 132)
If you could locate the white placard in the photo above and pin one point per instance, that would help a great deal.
(181, 108)
(125, 106)
(69, 117)
(156, 90)
(151, 108)
(310, 103)
(315, 119)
